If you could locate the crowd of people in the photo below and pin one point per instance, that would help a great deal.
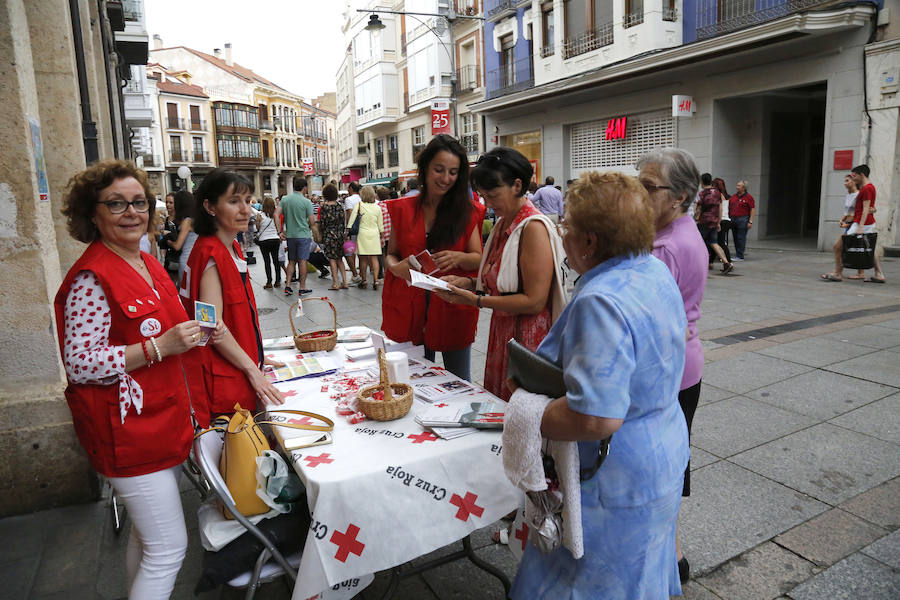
(626, 341)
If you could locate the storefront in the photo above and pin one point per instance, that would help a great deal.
(529, 144)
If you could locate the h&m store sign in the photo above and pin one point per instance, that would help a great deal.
(615, 128)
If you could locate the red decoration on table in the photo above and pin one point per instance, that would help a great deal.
(290, 393)
(425, 436)
(442, 405)
(347, 543)
(522, 534)
(302, 421)
(315, 461)
(466, 506)
(378, 395)
(357, 417)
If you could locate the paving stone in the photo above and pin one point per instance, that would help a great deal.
(824, 461)
(764, 572)
(821, 394)
(880, 505)
(880, 419)
(886, 550)
(815, 351)
(736, 424)
(701, 458)
(29, 532)
(857, 577)
(871, 336)
(829, 537)
(18, 575)
(694, 591)
(749, 371)
(882, 366)
(892, 324)
(731, 510)
(710, 393)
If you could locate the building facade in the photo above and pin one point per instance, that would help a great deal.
(778, 94)
(351, 144)
(187, 137)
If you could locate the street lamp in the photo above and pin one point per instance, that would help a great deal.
(450, 17)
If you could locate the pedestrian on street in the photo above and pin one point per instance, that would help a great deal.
(709, 207)
(122, 333)
(741, 209)
(864, 214)
(350, 203)
(671, 178)
(384, 197)
(549, 200)
(269, 241)
(620, 343)
(443, 220)
(725, 223)
(844, 224)
(333, 225)
(368, 242)
(520, 276)
(299, 221)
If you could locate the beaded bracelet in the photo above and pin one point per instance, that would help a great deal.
(156, 349)
(146, 354)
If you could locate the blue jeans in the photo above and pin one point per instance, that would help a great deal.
(455, 361)
(739, 226)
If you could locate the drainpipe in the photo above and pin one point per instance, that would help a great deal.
(88, 126)
(868, 156)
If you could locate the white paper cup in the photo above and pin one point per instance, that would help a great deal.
(397, 366)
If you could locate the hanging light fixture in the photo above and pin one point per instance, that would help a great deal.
(375, 24)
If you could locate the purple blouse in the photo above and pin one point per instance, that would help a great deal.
(680, 246)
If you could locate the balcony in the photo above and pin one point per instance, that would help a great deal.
(499, 9)
(587, 41)
(393, 157)
(715, 17)
(174, 123)
(366, 117)
(468, 78)
(200, 156)
(548, 50)
(511, 78)
(466, 7)
(670, 14)
(133, 10)
(178, 156)
(469, 141)
(633, 19)
(269, 162)
(151, 160)
(266, 124)
(198, 125)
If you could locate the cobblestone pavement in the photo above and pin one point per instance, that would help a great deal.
(795, 457)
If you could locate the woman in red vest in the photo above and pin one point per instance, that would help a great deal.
(122, 331)
(444, 220)
(217, 274)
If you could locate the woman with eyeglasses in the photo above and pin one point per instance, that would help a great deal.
(671, 177)
(520, 276)
(443, 220)
(122, 331)
(217, 274)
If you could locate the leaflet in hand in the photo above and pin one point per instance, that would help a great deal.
(206, 314)
(427, 282)
(304, 367)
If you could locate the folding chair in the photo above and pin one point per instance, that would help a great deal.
(207, 451)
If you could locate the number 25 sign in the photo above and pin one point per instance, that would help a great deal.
(440, 117)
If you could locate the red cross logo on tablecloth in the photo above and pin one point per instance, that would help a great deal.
(522, 534)
(347, 543)
(466, 506)
(315, 461)
(441, 405)
(289, 394)
(301, 420)
(425, 436)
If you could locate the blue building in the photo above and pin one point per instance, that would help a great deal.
(777, 89)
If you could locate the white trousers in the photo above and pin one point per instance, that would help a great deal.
(158, 540)
(854, 229)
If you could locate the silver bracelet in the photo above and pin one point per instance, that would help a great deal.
(156, 349)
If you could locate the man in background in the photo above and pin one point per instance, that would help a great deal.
(549, 200)
(741, 210)
(299, 219)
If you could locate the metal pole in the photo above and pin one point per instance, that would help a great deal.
(453, 79)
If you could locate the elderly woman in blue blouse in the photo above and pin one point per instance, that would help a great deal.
(620, 342)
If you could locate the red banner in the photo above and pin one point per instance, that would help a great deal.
(309, 167)
(440, 117)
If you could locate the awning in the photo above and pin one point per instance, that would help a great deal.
(382, 181)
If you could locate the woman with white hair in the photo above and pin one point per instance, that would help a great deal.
(671, 177)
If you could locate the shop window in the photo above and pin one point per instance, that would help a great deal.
(590, 148)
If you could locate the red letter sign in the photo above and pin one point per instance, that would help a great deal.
(615, 128)
(440, 117)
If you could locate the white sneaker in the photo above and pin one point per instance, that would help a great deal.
(356, 279)
(736, 259)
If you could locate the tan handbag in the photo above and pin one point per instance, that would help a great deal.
(244, 442)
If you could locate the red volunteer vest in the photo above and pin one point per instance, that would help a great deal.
(443, 327)
(225, 383)
(159, 437)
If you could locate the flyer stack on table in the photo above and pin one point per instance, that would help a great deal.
(384, 493)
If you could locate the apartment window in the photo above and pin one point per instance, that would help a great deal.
(392, 142)
(548, 29)
(507, 61)
(172, 116)
(197, 147)
(393, 151)
(469, 137)
(236, 115)
(238, 146)
(589, 25)
(634, 12)
(670, 12)
(175, 147)
(418, 136)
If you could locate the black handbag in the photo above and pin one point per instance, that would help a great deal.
(354, 229)
(859, 250)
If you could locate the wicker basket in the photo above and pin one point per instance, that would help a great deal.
(314, 341)
(397, 401)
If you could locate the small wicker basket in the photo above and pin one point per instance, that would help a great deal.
(397, 400)
(314, 341)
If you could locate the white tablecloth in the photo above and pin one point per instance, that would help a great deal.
(385, 493)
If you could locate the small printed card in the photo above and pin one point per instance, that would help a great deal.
(206, 314)
(304, 367)
(427, 282)
(426, 263)
(481, 415)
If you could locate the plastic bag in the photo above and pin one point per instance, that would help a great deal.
(542, 514)
(276, 483)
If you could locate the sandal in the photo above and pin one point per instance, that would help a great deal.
(857, 277)
(874, 280)
(375, 284)
(830, 277)
(345, 287)
(334, 288)
(362, 285)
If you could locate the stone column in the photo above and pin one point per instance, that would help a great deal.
(273, 184)
(41, 463)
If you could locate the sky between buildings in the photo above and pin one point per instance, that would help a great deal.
(298, 44)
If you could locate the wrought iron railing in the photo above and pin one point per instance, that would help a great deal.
(266, 124)
(633, 19)
(393, 157)
(198, 125)
(587, 41)
(201, 156)
(379, 161)
(670, 14)
(548, 50)
(269, 162)
(500, 8)
(151, 160)
(468, 78)
(715, 17)
(177, 156)
(511, 78)
(469, 141)
(174, 123)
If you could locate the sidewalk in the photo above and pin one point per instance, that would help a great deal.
(795, 457)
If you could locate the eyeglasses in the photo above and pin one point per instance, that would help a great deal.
(652, 188)
(117, 207)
